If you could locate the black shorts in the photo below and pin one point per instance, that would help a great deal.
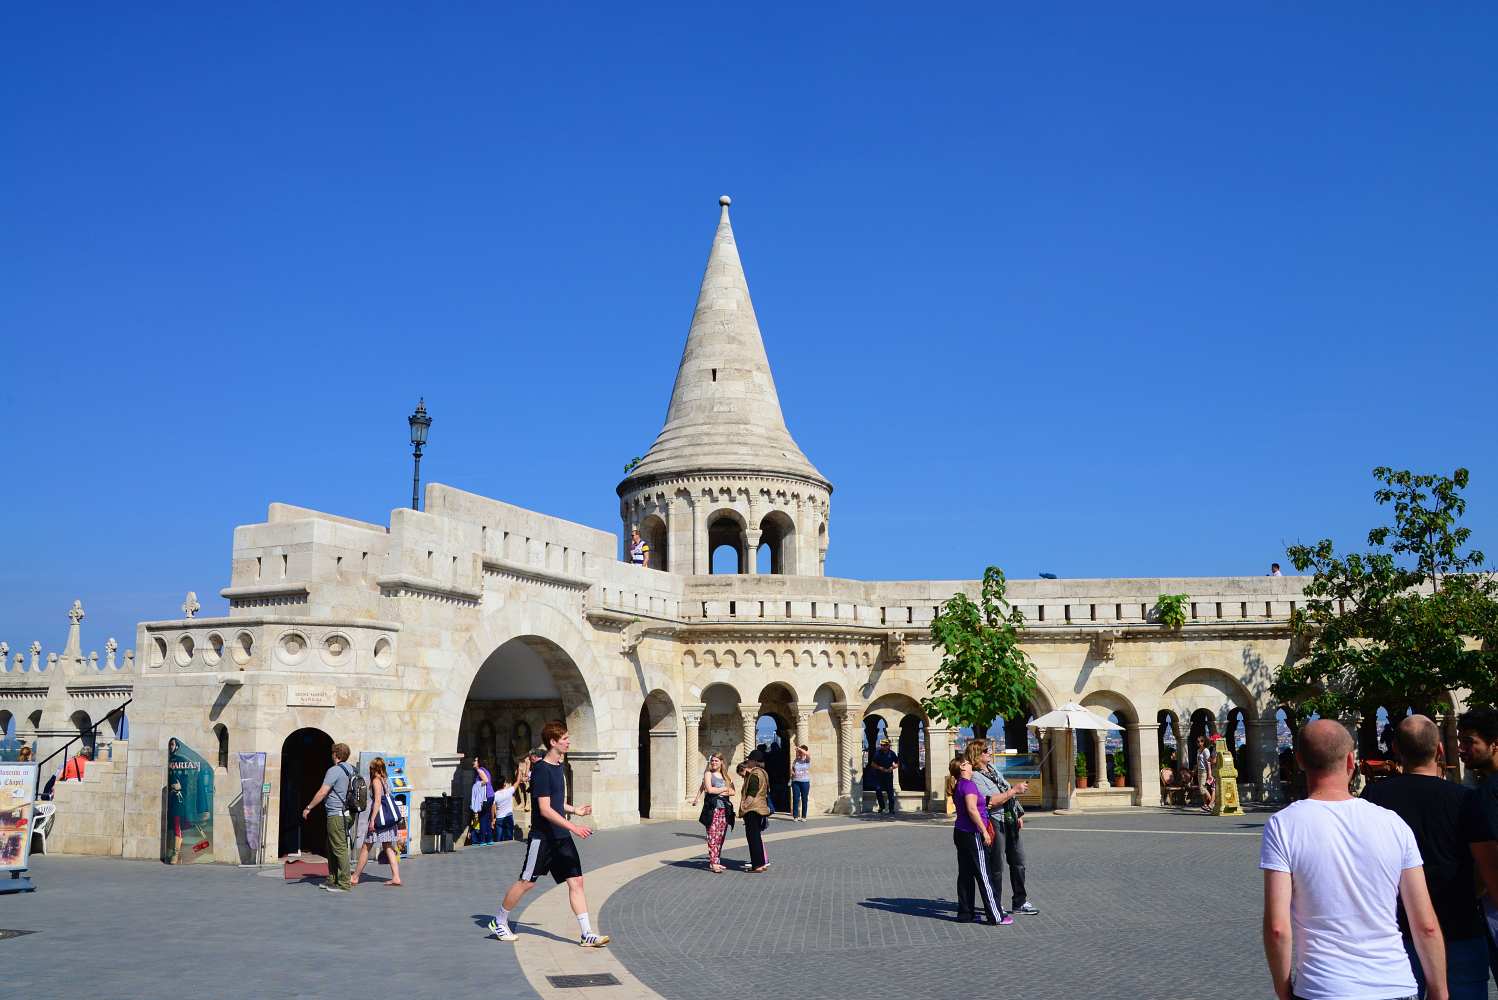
(558, 857)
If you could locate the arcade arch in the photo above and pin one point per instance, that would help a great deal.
(726, 529)
(778, 535)
(653, 533)
(659, 762)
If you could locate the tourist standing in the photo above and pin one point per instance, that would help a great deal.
(504, 810)
(523, 777)
(333, 796)
(1478, 745)
(1335, 868)
(479, 806)
(550, 848)
(482, 777)
(717, 811)
(383, 826)
(973, 836)
(800, 783)
(884, 762)
(1206, 781)
(1007, 816)
(76, 765)
(1446, 820)
(754, 806)
(639, 552)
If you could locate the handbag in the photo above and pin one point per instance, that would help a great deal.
(390, 814)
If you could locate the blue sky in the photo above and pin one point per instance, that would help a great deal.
(1102, 293)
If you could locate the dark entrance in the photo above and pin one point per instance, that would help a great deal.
(305, 758)
(644, 760)
(774, 738)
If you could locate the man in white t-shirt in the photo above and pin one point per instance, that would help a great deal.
(1335, 869)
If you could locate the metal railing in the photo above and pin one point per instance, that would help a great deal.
(92, 731)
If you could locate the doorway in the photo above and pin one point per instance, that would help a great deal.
(305, 758)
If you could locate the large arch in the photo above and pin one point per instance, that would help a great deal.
(1116, 706)
(521, 667)
(722, 728)
(659, 761)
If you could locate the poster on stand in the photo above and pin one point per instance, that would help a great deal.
(251, 779)
(189, 806)
(400, 790)
(17, 812)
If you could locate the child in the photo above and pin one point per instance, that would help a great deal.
(504, 810)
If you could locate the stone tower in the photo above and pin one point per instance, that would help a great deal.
(724, 469)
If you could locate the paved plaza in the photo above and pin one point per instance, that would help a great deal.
(1131, 903)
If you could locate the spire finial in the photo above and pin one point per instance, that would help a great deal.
(725, 201)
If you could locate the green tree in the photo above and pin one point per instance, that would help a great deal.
(984, 673)
(1403, 623)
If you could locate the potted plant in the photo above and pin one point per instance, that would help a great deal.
(1081, 770)
(1120, 768)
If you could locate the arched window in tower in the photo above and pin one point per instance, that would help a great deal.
(653, 534)
(221, 732)
(725, 531)
(778, 535)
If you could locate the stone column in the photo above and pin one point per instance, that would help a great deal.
(751, 558)
(691, 755)
(941, 746)
(1142, 745)
(1262, 766)
(750, 717)
(700, 556)
(845, 716)
(1100, 754)
(803, 723)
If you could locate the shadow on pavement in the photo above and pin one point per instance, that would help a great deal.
(936, 909)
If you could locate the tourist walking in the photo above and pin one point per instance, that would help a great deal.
(504, 810)
(973, 836)
(1206, 780)
(717, 811)
(550, 849)
(800, 783)
(333, 797)
(1334, 869)
(1447, 821)
(754, 806)
(383, 826)
(482, 779)
(1007, 816)
(884, 762)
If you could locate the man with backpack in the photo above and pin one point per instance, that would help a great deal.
(344, 793)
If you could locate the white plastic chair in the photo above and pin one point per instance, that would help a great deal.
(42, 821)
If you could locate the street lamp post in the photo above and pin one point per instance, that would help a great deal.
(419, 422)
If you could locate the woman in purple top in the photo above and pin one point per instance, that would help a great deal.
(972, 836)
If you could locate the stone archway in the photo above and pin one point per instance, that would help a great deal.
(306, 755)
(523, 666)
(658, 758)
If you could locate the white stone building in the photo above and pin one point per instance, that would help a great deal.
(462, 627)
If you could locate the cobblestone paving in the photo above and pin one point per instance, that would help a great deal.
(1126, 911)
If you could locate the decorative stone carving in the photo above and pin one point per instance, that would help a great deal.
(894, 648)
(191, 607)
(36, 656)
(631, 637)
(109, 650)
(75, 613)
(1102, 643)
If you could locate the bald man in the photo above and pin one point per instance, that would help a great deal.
(1449, 829)
(1335, 869)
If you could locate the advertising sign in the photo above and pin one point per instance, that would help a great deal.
(251, 781)
(17, 811)
(189, 806)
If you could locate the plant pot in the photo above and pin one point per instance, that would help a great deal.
(1082, 781)
(1118, 781)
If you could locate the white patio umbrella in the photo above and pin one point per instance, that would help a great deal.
(1072, 717)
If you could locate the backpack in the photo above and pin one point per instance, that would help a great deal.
(357, 799)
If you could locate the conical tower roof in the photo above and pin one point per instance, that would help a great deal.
(724, 414)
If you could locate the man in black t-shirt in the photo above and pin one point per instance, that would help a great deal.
(550, 849)
(1447, 821)
(1478, 744)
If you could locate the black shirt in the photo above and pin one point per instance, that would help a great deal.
(1446, 817)
(548, 781)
